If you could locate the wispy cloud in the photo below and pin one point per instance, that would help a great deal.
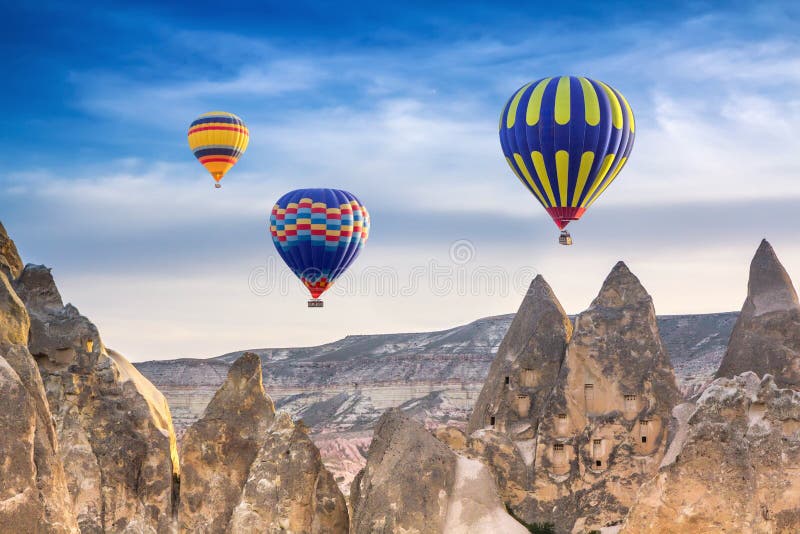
(411, 127)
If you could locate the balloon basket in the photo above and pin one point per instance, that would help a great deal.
(315, 303)
(565, 238)
(217, 186)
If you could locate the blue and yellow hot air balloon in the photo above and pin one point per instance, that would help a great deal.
(566, 139)
(217, 140)
(318, 233)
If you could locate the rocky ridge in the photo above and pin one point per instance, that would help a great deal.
(117, 442)
(577, 420)
(244, 469)
(766, 338)
(33, 486)
(733, 465)
(414, 483)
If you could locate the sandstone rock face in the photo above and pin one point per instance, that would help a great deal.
(766, 338)
(10, 262)
(33, 487)
(117, 443)
(414, 483)
(602, 429)
(246, 470)
(288, 488)
(407, 481)
(733, 466)
(528, 360)
(218, 450)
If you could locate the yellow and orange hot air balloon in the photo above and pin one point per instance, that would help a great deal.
(217, 140)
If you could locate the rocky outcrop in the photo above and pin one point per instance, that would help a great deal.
(33, 488)
(733, 466)
(578, 460)
(10, 262)
(288, 488)
(528, 360)
(414, 483)
(117, 443)
(219, 449)
(246, 470)
(766, 338)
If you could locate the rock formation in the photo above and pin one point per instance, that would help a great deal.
(246, 470)
(602, 429)
(766, 338)
(220, 447)
(10, 262)
(117, 443)
(733, 466)
(414, 483)
(528, 360)
(33, 488)
(289, 488)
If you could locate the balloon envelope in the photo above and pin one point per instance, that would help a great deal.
(319, 233)
(217, 140)
(566, 139)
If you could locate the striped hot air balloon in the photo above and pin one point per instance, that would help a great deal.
(566, 139)
(217, 140)
(319, 233)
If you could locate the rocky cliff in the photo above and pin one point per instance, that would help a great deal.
(526, 366)
(578, 459)
(33, 487)
(733, 465)
(414, 483)
(766, 338)
(244, 470)
(220, 447)
(114, 428)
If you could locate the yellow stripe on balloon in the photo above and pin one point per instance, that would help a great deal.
(590, 102)
(528, 179)
(630, 112)
(535, 102)
(613, 177)
(616, 109)
(562, 101)
(562, 172)
(599, 179)
(587, 159)
(512, 109)
(541, 171)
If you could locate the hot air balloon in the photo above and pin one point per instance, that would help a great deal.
(566, 139)
(318, 233)
(218, 139)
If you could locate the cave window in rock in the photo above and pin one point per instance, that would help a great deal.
(559, 456)
(597, 448)
(526, 378)
(644, 426)
(630, 403)
(588, 393)
(523, 405)
(491, 420)
(508, 380)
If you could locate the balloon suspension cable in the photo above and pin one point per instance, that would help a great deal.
(315, 303)
(565, 238)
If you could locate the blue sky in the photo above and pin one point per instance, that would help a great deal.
(398, 104)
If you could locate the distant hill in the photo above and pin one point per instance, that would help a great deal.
(341, 388)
